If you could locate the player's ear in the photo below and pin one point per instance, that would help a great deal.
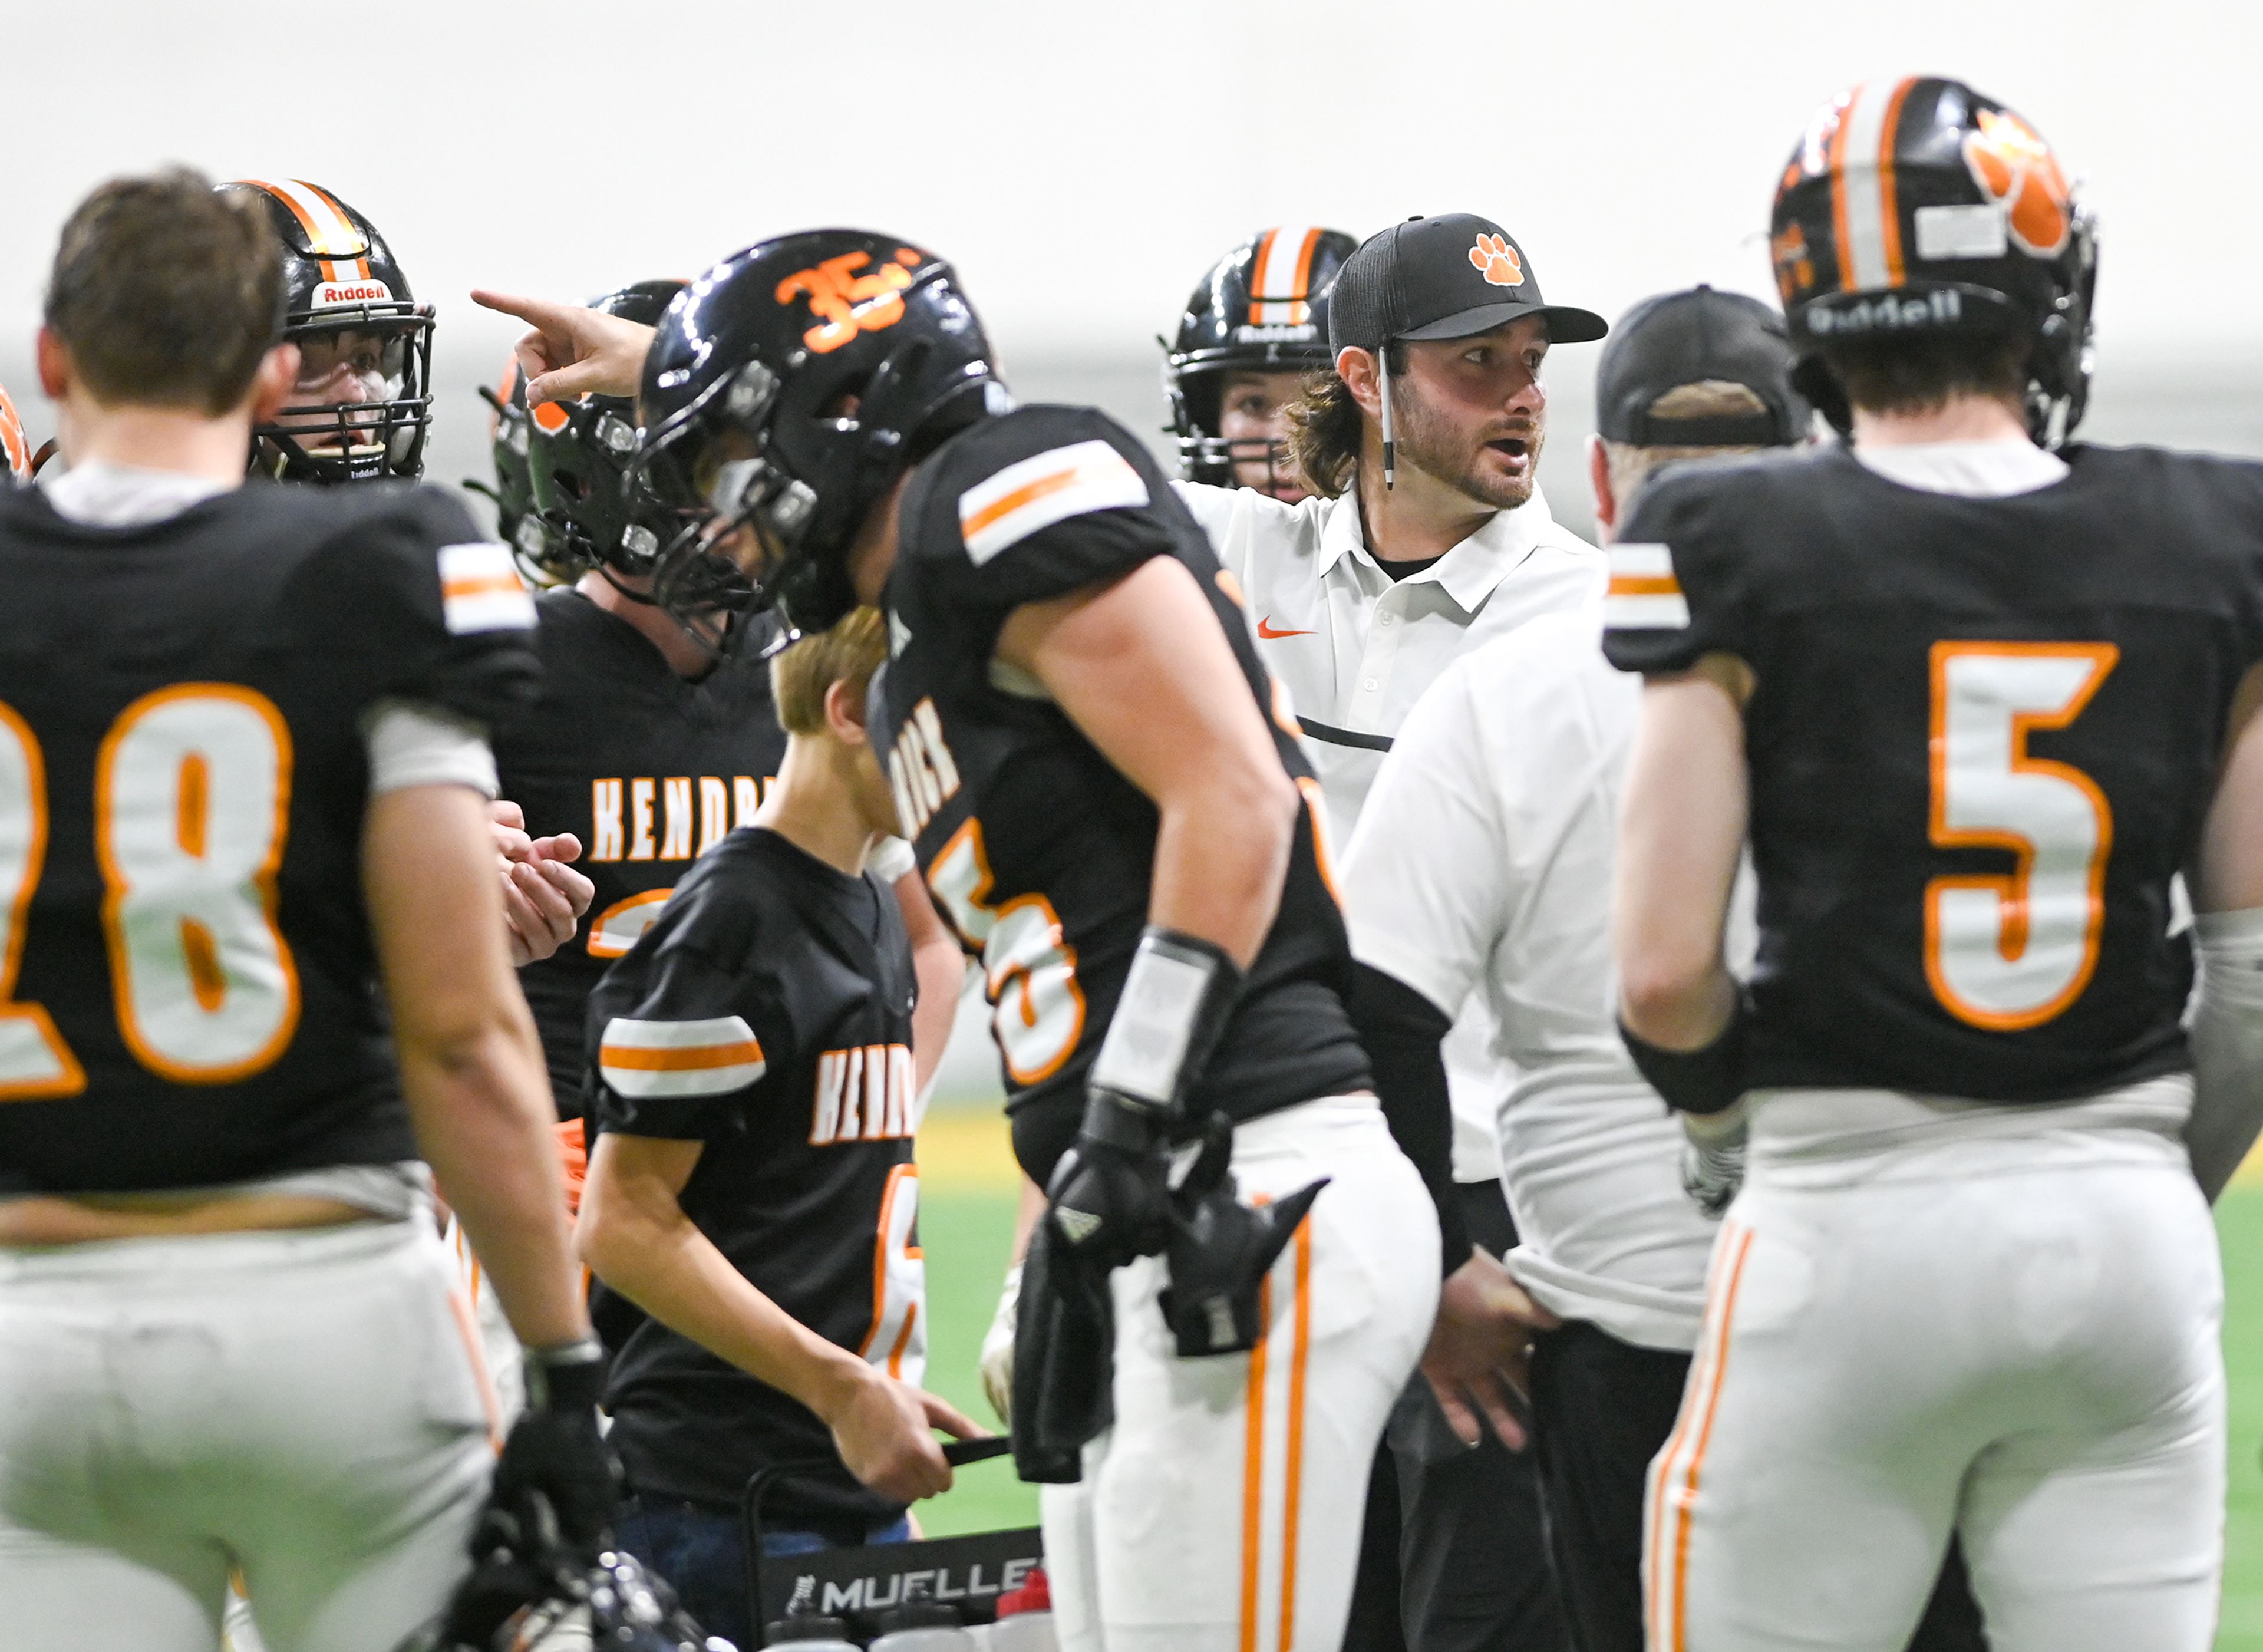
(54, 364)
(1599, 474)
(274, 384)
(844, 713)
(1357, 368)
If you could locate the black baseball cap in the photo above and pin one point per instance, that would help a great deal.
(1677, 338)
(1443, 278)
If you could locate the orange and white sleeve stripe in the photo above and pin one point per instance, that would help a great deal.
(1044, 488)
(481, 590)
(1644, 594)
(669, 1059)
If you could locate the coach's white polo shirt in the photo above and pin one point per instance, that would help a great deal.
(1484, 859)
(1357, 650)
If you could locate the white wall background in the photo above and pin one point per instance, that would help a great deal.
(1082, 164)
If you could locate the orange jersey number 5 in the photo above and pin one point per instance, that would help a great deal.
(2007, 951)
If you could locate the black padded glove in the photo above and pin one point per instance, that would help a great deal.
(1221, 1250)
(556, 1448)
(1110, 1196)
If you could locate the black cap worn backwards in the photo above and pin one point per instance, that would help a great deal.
(1680, 338)
(1443, 278)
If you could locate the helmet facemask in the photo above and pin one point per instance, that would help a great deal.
(384, 351)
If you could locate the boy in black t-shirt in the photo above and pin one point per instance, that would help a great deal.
(752, 1194)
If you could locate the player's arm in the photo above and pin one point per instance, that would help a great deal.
(1427, 899)
(1681, 830)
(1141, 667)
(2226, 1017)
(635, 1237)
(939, 964)
(478, 1098)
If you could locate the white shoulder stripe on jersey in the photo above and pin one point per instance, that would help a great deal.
(481, 590)
(1640, 560)
(1644, 595)
(709, 1057)
(1044, 488)
(1669, 613)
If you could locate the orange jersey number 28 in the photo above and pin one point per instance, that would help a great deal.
(191, 797)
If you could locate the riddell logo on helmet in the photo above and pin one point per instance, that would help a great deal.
(366, 290)
(1886, 313)
(1275, 333)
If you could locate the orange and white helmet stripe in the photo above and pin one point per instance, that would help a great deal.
(1865, 217)
(1281, 276)
(15, 447)
(342, 249)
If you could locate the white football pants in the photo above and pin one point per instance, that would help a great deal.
(1928, 1316)
(302, 1406)
(1222, 1511)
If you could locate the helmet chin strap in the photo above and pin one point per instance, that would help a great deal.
(644, 597)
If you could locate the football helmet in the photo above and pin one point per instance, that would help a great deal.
(1921, 206)
(1263, 308)
(15, 448)
(512, 491)
(786, 391)
(366, 345)
(527, 1593)
(589, 508)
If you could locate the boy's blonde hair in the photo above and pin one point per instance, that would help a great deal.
(849, 653)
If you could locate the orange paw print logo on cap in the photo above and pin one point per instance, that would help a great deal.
(1497, 260)
(2017, 169)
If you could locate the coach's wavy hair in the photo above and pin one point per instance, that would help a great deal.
(1325, 427)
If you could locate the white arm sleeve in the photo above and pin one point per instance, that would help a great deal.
(2227, 1042)
(893, 858)
(421, 745)
(1423, 880)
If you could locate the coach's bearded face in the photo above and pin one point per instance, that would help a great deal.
(1474, 413)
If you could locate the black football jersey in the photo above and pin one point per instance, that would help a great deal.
(1039, 852)
(1984, 739)
(767, 1013)
(647, 768)
(187, 987)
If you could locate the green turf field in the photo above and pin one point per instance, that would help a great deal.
(966, 1224)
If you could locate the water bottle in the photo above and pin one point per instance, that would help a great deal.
(1025, 1618)
(922, 1626)
(808, 1632)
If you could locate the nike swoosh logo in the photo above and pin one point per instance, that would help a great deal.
(1265, 629)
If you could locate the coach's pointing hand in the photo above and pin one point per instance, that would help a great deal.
(1480, 1347)
(573, 351)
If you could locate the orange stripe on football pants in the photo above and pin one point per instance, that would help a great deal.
(1685, 1499)
(1253, 1473)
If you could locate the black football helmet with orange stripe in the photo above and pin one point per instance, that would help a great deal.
(365, 342)
(1921, 206)
(1263, 308)
(786, 390)
(589, 505)
(15, 447)
(512, 491)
